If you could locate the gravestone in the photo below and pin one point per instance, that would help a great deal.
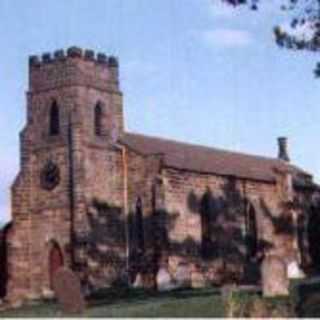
(294, 271)
(67, 288)
(138, 283)
(197, 278)
(274, 277)
(183, 276)
(47, 294)
(164, 280)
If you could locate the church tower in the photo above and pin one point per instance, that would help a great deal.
(70, 164)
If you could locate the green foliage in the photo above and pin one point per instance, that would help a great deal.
(248, 305)
(237, 304)
(304, 15)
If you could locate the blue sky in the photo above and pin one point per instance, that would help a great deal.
(191, 70)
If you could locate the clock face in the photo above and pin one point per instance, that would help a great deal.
(50, 176)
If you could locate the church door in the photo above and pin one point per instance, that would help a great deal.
(55, 261)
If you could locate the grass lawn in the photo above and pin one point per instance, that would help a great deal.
(182, 303)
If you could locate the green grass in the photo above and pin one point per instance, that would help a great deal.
(137, 303)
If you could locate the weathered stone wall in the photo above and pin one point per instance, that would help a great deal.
(142, 173)
(39, 215)
(63, 69)
(104, 190)
(307, 217)
(88, 166)
(184, 192)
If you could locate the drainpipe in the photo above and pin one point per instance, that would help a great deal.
(125, 200)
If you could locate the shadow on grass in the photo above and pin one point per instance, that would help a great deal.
(134, 303)
(306, 294)
(127, 295)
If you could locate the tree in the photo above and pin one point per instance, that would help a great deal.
(305, 16)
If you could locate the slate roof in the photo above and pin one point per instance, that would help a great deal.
(185, 156)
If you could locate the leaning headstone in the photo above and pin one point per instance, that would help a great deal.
(183, 276)
(67, 288)
(164, 280)
(274, 277)
(294, 271)
(138, 283)
(47, 294)
(197, 279)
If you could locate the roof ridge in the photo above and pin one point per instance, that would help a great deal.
(189, 156)
(206, 147)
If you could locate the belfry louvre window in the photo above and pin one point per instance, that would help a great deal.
(98, 119)
(54, 120)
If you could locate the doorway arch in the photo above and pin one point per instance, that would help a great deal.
(55, 261)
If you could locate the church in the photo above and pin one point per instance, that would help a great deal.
(116, 207)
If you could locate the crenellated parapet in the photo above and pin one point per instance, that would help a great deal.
(73, 52)
(73, 67)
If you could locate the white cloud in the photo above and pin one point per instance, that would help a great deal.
(227, 38)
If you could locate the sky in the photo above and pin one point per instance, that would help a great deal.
(191, 70)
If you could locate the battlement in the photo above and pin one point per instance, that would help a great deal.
(73, 52)
(73, 67)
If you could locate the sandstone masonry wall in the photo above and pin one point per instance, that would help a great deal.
(184, 192)
(76, 82)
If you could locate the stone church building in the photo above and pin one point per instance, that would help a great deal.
(117, 207)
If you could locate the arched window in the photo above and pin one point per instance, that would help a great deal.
(98, 119)
(139, 226)
(206, 246)
(251, 232)
(54, 120)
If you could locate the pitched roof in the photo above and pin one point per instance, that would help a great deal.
(203, 159)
